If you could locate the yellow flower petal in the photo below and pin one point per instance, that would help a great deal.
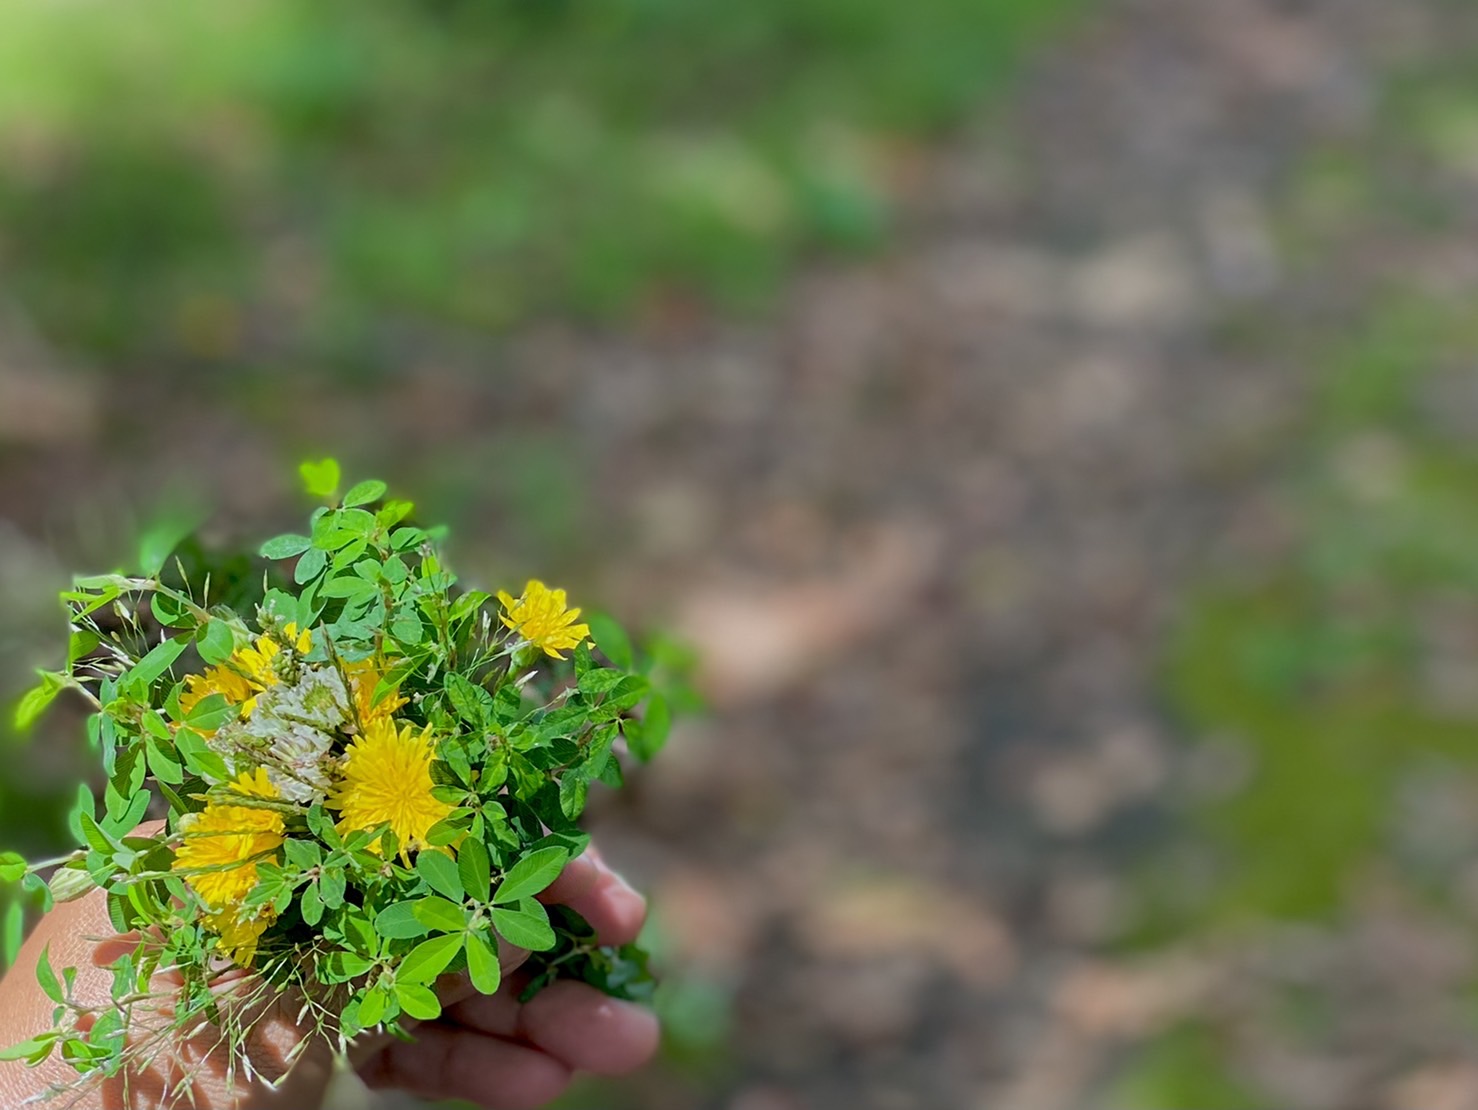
(542, 617)
(237, 936)
(246, 674)
(387, 779)
(363, 677)
(223, 844)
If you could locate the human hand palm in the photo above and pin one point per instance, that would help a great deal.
(490, 1050)
(503, 1054)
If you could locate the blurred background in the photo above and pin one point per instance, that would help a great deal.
(1052, 423)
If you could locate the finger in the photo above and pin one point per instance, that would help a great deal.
(494, 1014)
(577, 880)
(588, 1031)
(445, 1062)
(614, 910)
(109, 949)
(453, 990)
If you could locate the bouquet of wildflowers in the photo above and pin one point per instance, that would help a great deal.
(357, 786)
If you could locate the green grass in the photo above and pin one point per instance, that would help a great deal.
(1316, 663)
(1183, 1068)
(1337, 667)
(283, 182)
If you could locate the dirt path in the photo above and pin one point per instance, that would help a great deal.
(929, 525)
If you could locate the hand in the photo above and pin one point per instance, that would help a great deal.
(498, 1053)
(490, 1050)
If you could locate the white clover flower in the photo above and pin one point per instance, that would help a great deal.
(291, 732)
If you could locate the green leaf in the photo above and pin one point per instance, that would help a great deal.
(81, 643)
(199, 759)
(418, 1001)
(611, 639)
(359, 931)
(35, 701)
(438, 913)
(169, 612)
(163, 764)
(399, 922)
(594, 683)
(373, 1005)
(215, 641)
(573, 789)
(302, 854)
(527, 927)
(468, 604)
(472, 703)
(482, 964)
(649, 737)
(350, 587)
(446, 830)
(475, 869)
(568, 720)
(456, 759)
(85, 804)
(321, 479)
(284, 547)
(154, 725)
(310, 904)
(47, 978)
(331, 886)
(440, 874)
(363, 494)
(107, 1034)
(32, 1051)
(611, 775)
(12, 867)
(393, 512)
(340, 967)
(126, 821)
(598, 753)
(429, 959)
(128, 777)
(14, 932)
(310, 565)
(531, 874)
(403, 539)
(508, 704)
(583, 660)
(628, 693)
(407, 628)
(160, 659)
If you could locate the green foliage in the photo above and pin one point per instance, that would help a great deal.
(467, 162)
(1183, 1068)
(320, 479)
(264, 723)
(1318, 667)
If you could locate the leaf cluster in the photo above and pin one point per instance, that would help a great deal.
(358, 922)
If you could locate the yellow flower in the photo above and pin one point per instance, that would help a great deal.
(246, 674)
(236, 936)
(216, 680)
(223, 843)
(363, 677)
(541, 616)
(387, 778)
